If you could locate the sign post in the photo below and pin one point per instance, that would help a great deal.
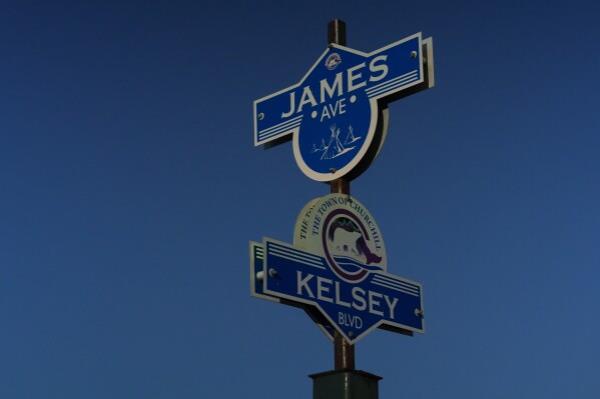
(343, 352)
(336, 267)
(344, 381)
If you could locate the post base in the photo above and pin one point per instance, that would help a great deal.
(345, 384)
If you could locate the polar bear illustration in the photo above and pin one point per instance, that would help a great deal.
(347, 240)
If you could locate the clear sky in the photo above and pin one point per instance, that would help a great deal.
(130, 189)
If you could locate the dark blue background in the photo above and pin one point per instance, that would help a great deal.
(130, 188)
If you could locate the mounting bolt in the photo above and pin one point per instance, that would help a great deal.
(273, 273)
(260, 275)
(261, 116)
(413, 54)
(419, 312)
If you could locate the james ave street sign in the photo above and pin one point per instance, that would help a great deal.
(335, 112)
(338, 267)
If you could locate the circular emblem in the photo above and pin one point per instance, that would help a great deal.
(340, 129)
(341, 230)
(332, 61)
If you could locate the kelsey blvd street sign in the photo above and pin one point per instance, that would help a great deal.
(337, 270)
(334, 112)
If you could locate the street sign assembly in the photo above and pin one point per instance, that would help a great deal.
(338, 267)
(337, 119)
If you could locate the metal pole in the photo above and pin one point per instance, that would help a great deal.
(343, 352)
(344, 382)
(336, 32)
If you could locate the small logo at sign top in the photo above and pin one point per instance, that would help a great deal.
(333, 61)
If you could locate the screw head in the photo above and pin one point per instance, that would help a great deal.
(413, 54)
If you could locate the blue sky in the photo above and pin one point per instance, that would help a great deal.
(130, 190)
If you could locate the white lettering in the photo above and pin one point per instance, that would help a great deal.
(322, 289)
(303, 283)
(338, 297)
(358, 296)
(332, 291)
(330, 90)
(325, 114)
(378, 70)
(391, 305)
(292, 106)
(374, 67)
(352, 77)
(330, 110)
(374, 303)
(307, 98)
(344, 319)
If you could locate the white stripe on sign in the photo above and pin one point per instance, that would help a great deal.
(395, 288)
(283, 130)
(280, 126)
(396, 85)
(295, 251)
(398, 284)
(388, 82)
(296, 258)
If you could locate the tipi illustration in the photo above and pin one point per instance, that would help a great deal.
(335, 148)
(350, 137)
(321, 147)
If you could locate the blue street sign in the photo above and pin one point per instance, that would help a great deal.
(354, 309)
(333, 112)
(337, 269)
